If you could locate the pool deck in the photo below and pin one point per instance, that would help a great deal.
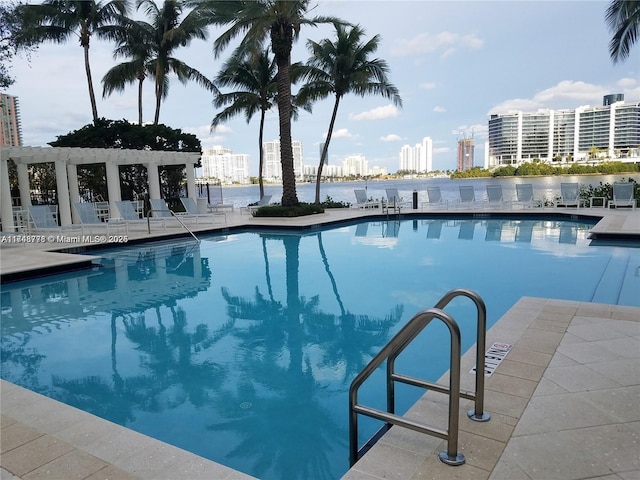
(563, 403)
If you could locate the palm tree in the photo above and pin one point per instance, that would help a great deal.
(280, 22)
(169, 33)
(254, 81)
(58, 20)
(135, 41)
(623, 18)
(343, 66)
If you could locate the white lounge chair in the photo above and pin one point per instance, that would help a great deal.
(494, 196)
(129, 215)
(160, 209)
(395, 201)
(191, 208)
(362, 201)
(43, 220)
(467, 196)
(569, 195)
(623, 196)
(89, 219)
(524, 196)
(434, 198)
(261, 203)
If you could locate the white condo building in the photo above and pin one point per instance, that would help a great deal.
(610, 131)
(226, 166)
(355, 165)
(418, 158)
(272, 169)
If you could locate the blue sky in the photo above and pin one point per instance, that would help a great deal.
(453, 62)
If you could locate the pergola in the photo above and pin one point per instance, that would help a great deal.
(67, 159)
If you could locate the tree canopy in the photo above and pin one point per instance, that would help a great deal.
(106, 133)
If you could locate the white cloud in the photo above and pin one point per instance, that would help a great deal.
(428, 85)
(439, 109)
(392, 137)
(569, 94)
(444, 43)
(340, 133)
(378, 113)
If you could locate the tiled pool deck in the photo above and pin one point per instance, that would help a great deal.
(564, 403)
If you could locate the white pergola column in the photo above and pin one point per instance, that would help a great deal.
(24, 185)
(191, 180)
(113, 186)
(74, 190)
(154, 180)
(64, 207)
(6, 212)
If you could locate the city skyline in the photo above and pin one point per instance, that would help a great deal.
(455, 64)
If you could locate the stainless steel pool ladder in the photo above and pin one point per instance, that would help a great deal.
(391, 351)
(174, 216)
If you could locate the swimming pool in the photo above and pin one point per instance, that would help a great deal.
(241, 349)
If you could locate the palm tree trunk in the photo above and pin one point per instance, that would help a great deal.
(92, 95)
(156, 117)
(325, 149)
(281, 44)
(261, 154)
(140, 101)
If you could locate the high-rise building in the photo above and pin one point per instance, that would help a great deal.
(610, 131)
(10, 128)
(272, 169)
(326, 157)
(418, 158)
(466, 148)
(355, 165)
(226, 166)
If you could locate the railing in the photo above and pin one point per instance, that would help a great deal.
(174, 216)
(391, 351)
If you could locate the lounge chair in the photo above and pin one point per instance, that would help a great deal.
(89, 219)
(362, 201)
(494, 196)
(160, 209)
(191, 208)
(434, 198)
(43, 220)
(467, 196)
(569, 196)
(394, 200)
(261, 203)
(623, 196)
(129, 215)
(524, 196)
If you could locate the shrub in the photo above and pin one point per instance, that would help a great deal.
(295, 211)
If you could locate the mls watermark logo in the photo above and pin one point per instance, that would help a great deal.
(494, 356)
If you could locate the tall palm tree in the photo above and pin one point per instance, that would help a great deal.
(623, 18)
(58, 20)
(344, 66)
(134, 41)
(257, 21)
(254, 79)
(169, 33)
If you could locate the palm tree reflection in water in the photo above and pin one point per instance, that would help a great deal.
(279, 377)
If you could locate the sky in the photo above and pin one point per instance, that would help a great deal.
(453, 62)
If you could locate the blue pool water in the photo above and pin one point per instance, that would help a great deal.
(241, 349)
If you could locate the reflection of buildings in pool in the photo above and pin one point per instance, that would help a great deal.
(134, 279)
(568, 234)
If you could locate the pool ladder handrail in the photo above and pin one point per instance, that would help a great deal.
(151, 210)
(391, 351)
